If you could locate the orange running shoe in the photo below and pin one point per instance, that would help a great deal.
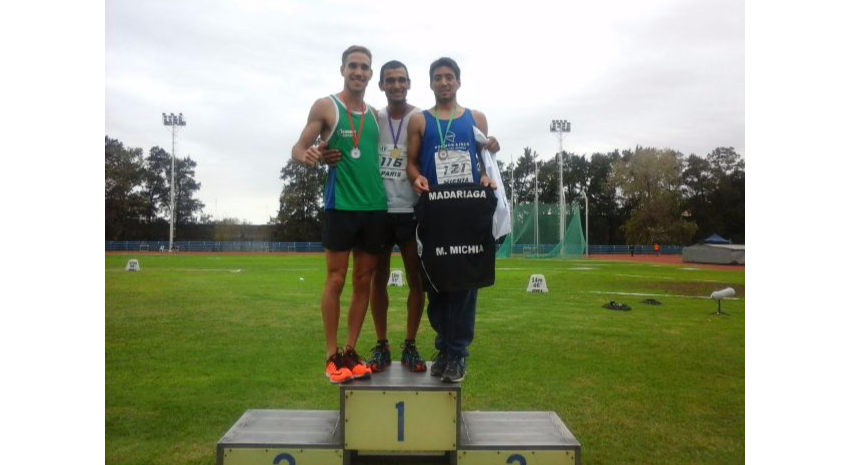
(336, 371)
(356, 364)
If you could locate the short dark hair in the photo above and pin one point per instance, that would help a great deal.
(355, 49)
(393, 64)
(447, 62)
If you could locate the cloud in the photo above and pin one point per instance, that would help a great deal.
(658, 73)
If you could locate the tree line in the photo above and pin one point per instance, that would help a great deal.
(640, 196)
(138, 192)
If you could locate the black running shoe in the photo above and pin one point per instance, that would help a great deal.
(455, 370)
(410, 357)
(381, 357)
(439, 364)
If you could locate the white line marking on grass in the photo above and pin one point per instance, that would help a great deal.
(582, 269)
(193, 270)
(643, 276)
(643, 294)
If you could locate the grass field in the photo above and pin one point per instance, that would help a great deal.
(192, 341)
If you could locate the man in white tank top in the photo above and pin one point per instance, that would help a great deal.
(400, 223)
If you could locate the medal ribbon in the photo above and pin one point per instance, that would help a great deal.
(392, 131)
(355, 135)
(439, 127)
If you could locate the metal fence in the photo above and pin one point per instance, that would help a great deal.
(276, 247)
(545, 249)
(213, 246)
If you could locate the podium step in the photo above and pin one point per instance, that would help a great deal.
(516, 438)
(400, 411)
(283, 437)
(398, 377)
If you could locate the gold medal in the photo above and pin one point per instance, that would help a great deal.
(396, 153)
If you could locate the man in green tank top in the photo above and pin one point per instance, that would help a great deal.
(355, 204)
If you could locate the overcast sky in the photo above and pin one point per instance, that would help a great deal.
(658, 73)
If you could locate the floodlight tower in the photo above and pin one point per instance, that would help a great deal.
(175, 121)
(560, 126)
(536, 219)
(586, 227)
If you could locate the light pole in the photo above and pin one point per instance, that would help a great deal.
(174, 122)
(586, 227)
(536, 230)
(513, 188)
(560, 126)
(513, 208)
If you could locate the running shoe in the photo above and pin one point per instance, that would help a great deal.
(336, 371)
(439, 364)
(455, 370)
(410, 357)
(355, 363)
(381, 357)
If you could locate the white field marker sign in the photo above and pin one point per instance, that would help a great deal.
(537, 284)
(396, 279)
(133, 265)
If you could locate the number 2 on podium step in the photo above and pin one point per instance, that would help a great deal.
(516, 458)
(290, 460)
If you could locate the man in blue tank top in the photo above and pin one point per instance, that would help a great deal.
(400, 221)
(441, 150)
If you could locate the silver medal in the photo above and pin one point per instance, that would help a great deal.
(444, 154)
(355, 153)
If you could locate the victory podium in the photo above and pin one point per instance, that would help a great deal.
(398, 417)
